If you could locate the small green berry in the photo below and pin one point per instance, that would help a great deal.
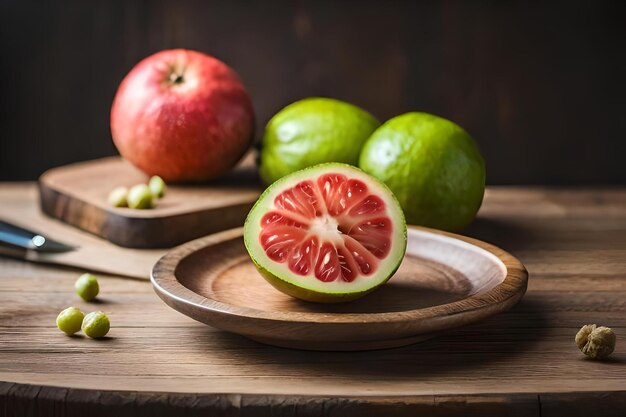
(69, 320)
(87, 287)
(96, 324)
(157, 186)
(140, 197)
(117, 197)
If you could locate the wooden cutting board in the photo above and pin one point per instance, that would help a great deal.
(77, 194)
(18, 205)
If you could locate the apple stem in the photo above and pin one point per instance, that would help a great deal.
(176, 78)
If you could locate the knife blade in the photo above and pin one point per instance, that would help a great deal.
(16, 236)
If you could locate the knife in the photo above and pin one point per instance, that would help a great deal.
(17, 237)
(92, 254)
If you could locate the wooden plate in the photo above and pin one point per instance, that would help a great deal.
(445, 281)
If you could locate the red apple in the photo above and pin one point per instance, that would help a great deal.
(182, 115)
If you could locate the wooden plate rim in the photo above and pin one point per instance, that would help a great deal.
(166, 285)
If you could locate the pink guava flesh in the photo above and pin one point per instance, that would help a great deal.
(331, 228)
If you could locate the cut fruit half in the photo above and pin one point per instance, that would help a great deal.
(329, 233)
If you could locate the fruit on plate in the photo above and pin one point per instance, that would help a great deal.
(432, 166)
(182, 115)
(328, 233)
(313, 131)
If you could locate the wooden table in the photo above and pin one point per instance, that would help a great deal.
(524, 362)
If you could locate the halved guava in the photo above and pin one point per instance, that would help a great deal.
(328, 233)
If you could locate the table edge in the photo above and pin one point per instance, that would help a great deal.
(15, 392)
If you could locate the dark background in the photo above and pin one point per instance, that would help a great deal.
(540, 85)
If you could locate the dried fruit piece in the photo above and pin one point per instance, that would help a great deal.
(595, 342)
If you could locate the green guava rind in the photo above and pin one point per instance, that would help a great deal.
(306, 294)
(312, 131)
(314, 296)
(432, 166)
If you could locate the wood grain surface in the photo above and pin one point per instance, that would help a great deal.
(523, 362)
(445, 281)
(77, 194)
